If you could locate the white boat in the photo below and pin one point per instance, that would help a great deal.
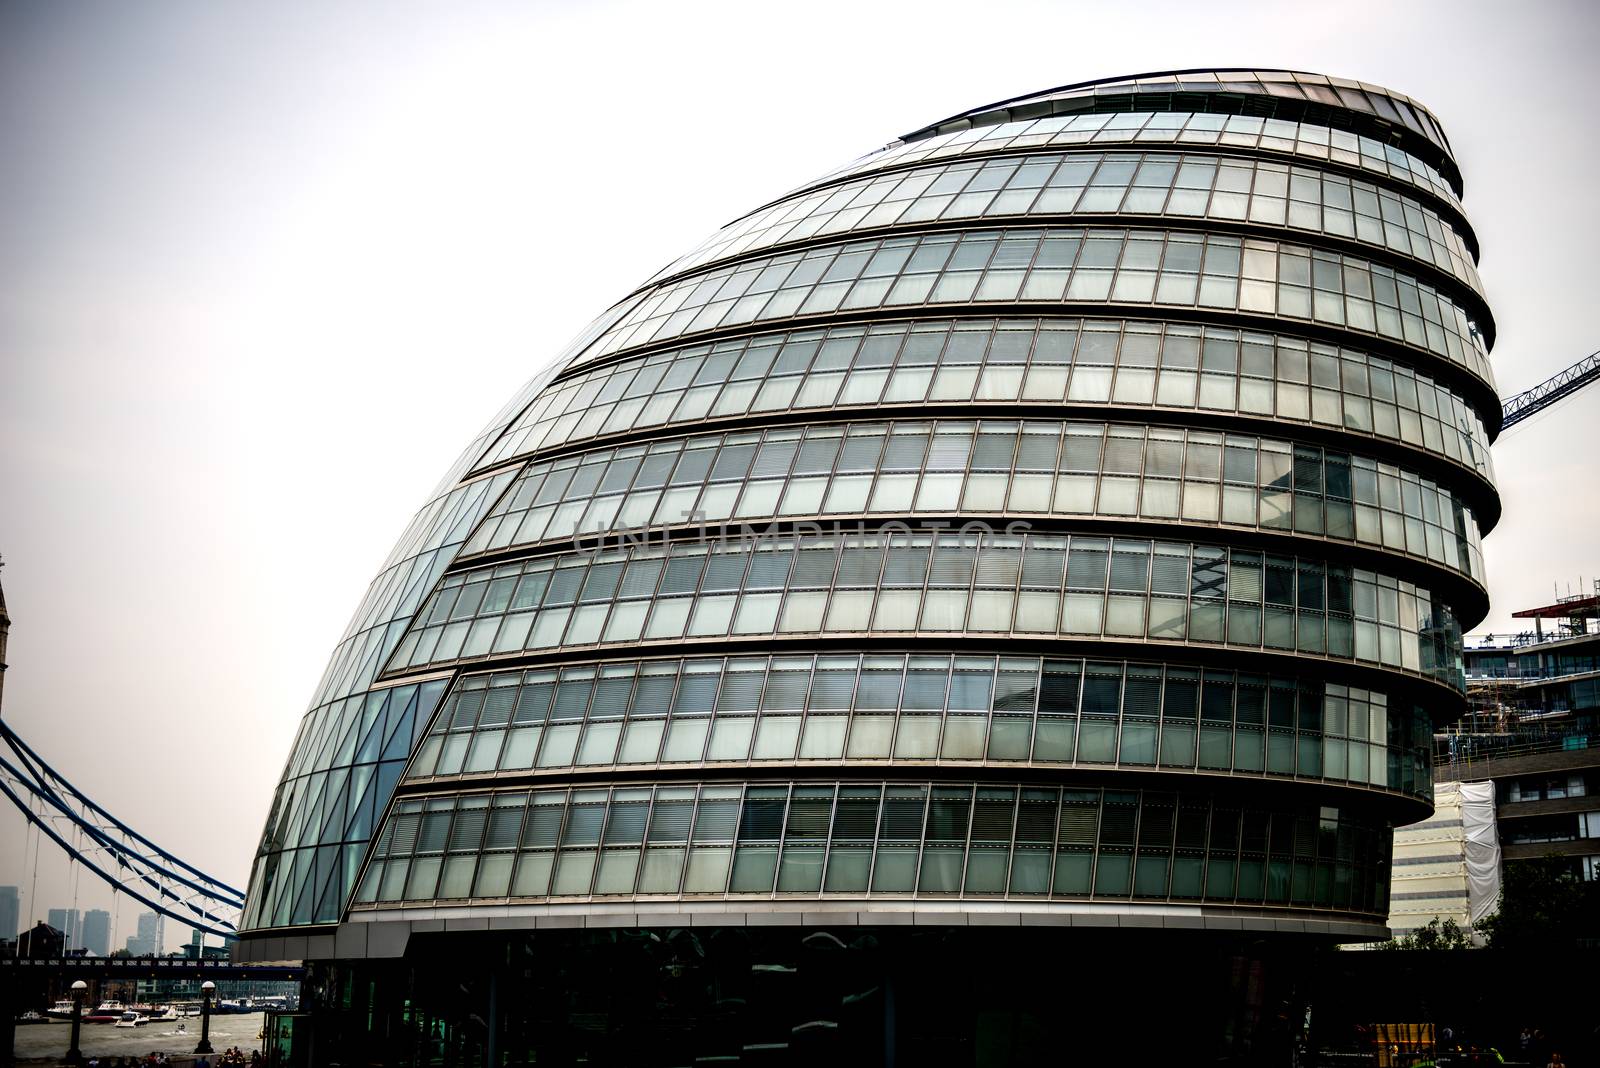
(131, 1019)
(61, 1010)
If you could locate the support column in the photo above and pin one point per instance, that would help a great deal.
(492, 1046)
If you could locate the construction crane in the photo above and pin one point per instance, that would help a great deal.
(1532, 401)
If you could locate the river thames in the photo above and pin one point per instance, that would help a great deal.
(47, 1042)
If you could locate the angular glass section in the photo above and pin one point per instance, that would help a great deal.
(355, 740)
(327, 808)
(1073, 501)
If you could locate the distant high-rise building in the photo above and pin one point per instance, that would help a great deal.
(66, 921)
(8, 912)
(96, 932)
(151, 938)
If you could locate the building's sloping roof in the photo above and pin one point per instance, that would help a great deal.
(1573, 608)
(1382, 108)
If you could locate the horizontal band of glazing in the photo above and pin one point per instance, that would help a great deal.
(973, 583)
(1114, 268)
(1340, 151)
(1034, 471)
(1136, 369)
(1183, 186)
(891, 840)
(1289, 95)
(912, 709)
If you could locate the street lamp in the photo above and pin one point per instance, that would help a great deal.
(205, 1016)
(74, 1054)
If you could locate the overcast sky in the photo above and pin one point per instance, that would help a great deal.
(265, 268)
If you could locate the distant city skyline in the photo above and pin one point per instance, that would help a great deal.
(91, 929)
(9, 918)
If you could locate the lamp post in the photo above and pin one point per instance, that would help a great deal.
(205, 1016)
(74, 1054)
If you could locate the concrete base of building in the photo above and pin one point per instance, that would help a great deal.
(388, 933)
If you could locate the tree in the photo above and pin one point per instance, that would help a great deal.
(1542, 904)
(1436, 935)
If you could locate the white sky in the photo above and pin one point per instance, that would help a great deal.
(265, 268)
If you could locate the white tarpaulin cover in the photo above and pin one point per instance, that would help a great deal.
(1482, 849)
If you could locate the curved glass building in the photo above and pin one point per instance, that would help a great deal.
(1048, 537)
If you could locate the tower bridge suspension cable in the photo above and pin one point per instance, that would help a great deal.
(103, 845)
(118, 855)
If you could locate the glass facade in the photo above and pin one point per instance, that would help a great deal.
(911, 707)
(1269, 138)
(875, 840)
(1148, 183)
(1118, 268)
(794, 587)
(1035, 468)
(1101, 364)
(1070, 509)
(1300, 95)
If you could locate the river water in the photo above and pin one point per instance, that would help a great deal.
(49, 1040)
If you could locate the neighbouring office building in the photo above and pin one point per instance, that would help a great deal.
(997, 593)
(1518, 778)
(1535, 699)
(1535, 685)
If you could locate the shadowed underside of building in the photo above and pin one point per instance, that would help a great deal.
(992, 596)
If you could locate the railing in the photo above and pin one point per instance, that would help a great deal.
(1532, 676)
(1457, 749)
(1522, 640)
(147, 968)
